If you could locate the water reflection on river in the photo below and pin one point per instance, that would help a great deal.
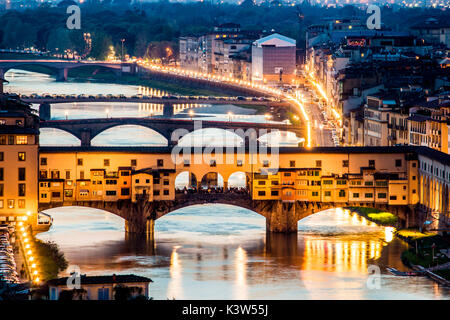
(222, 252)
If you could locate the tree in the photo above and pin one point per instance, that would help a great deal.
(101, 44)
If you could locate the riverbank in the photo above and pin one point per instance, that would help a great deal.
(50, 259)
(380, 217)
(428, 250)
(425, 247)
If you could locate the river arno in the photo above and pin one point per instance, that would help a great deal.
(219, 251)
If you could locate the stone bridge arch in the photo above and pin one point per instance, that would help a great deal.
(72, 134)
(21, 65)
(61, 67)
(140, 216)
(123, 126)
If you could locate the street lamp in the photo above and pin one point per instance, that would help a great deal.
(107, 113)
(191, 113)
(267, 116)
(123, 40)
(230, 114)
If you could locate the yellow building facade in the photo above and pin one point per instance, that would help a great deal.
(292, 175)
(18, 163)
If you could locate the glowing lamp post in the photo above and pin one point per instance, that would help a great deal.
(230, 115)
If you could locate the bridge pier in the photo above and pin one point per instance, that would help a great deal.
(2, 74)
(150, 229)
(282, 218)
(45, 112)
(85, 138)
(62, 74)
(168, 110)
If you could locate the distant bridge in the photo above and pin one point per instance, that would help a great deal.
(253, 101)
(63, 66)
(168, 101)
(87, 129)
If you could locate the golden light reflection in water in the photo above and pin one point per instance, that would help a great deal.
(175, 287)
(389, 234)
(240, 264)
(348, 254)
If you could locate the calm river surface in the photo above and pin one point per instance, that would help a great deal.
(220, 251)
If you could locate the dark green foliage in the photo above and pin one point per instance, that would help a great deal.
(50, 259)
(157, 22)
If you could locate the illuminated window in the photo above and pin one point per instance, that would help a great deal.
(1, 204)
(11, 203)
(21, 140)
(21, 156)
(68, 193)
(21, 203)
